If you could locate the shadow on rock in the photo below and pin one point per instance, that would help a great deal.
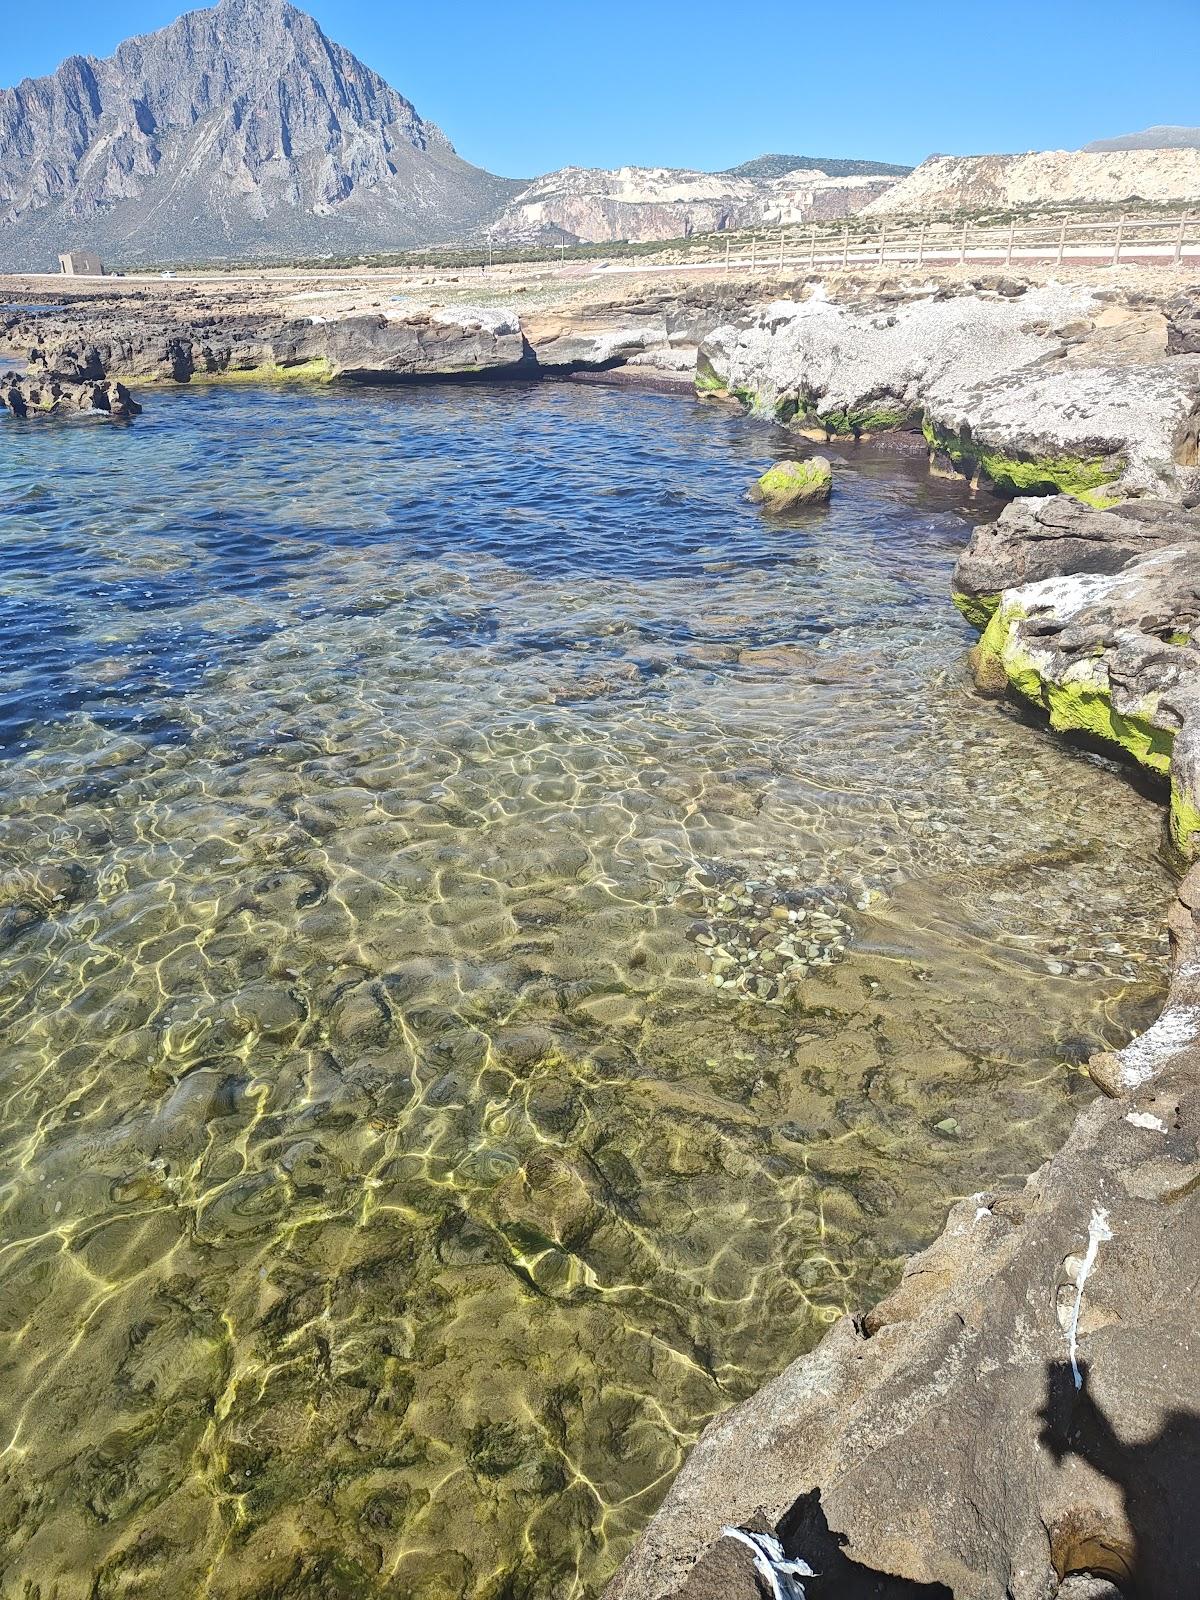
(1156, 1556)
(727, 1570)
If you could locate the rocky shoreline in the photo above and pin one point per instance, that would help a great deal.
(946, 1438)
(306, 331)
(941, 1439)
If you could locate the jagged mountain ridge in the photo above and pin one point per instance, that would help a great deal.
(236, 131)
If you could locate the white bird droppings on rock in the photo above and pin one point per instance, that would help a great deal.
(1145, 1119)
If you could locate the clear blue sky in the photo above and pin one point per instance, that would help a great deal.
(530, 85)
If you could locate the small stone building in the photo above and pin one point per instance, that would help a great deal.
(81, 264)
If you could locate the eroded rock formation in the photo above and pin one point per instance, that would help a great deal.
(27, 396)
(397, 341)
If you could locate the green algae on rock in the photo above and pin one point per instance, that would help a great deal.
(978, 609)
(794, 483)
(1185, 823)
(859, 422)
(317, 370)
(1091, 616)
(1080, 702)
(1014, 474)
(1079, 699)
(708, 380)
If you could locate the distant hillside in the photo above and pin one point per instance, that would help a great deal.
(944, 185)
(597, 206)
(239, 131)
(1156, 138)
(763, 168)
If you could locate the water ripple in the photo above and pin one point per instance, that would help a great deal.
(500, 945)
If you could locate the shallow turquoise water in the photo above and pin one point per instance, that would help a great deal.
(500, 944)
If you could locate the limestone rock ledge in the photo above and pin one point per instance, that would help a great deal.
(944, 1431)
(1037, 390)
(398, 341)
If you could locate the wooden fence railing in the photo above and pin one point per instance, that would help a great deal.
(1172, 242)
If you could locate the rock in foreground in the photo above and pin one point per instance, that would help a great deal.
(27, 396)
(946, 1432)
(794, 483)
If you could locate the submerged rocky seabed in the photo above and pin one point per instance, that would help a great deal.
(501, 944)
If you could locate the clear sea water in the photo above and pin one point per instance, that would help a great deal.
(500, 945)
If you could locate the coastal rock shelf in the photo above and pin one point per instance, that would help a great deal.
(394, 341)
(1032, 389)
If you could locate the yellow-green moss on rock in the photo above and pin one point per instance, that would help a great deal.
(707, 379)
(1078, 704)
(850, 422)
(1080, 476)
(979, 609)
(1185, 823)
(1082, 705)
(792, 483)
(711, 385)
(318, 370)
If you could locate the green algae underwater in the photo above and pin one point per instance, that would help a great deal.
(501, 944)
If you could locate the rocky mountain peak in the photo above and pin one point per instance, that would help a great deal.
(241, 129)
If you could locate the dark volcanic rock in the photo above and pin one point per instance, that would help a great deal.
(237, 131)
(27, 395)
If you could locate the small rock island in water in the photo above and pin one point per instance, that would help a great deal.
(599, 946)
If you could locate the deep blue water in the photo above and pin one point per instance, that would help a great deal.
(646, 487)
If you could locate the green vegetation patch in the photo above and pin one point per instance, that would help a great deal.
(318, 370)
(854, 423)
(979, 609)
(1185, 823)
(708, 379)
(790, 483)
(1076, 705)
(1080, 476)
(1086, 707)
